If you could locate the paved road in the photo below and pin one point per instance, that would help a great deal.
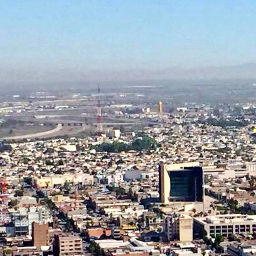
(35, 135)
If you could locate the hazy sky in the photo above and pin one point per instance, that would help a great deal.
(54, 37)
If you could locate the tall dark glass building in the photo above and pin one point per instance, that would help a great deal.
(181, 183)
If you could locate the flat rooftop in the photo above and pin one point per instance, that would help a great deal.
(226, 219)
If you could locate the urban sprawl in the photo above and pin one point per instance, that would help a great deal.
(183, 185)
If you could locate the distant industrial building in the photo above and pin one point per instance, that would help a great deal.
(181, 183)
(147, 110)
(116, 133)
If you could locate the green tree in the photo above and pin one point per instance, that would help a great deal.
(138, 144)
(66, 186)
(48, 162)
(13, 203)
(18, 193)
(202, 234)
(95, 249)
(26, 160)
(7, 251)
(60, 162)
(218, 239)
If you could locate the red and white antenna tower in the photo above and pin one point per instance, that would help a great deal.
(99, 116)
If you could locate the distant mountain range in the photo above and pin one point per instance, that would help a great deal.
(62, 76)
(244, 71)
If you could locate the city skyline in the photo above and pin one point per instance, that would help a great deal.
(128, 128)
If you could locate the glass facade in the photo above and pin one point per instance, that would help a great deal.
(186, 185)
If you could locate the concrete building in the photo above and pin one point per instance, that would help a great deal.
(238, 249)
(133, 245)
(152, 221)
(178, 227)
(25, 251)
(226, 225)
(127, 253)
(39, 234)
(67, 244)
(183, 252)
(137, 175)
(251, 168)
(115, 232)
(57, 179)
(116, 133)
(181, 182)
(24, 217)
(147, 110)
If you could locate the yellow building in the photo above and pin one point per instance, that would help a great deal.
(60, 179)
(178, 227)
(160, 107)
(185, 229)
(58, 198)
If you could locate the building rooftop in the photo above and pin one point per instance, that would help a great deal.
(226, 219)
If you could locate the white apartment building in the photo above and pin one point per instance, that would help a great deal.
(226, 225)
(251, 168)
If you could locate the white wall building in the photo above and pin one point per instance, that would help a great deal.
(226, 225)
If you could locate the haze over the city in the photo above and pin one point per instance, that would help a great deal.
(47, 41)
